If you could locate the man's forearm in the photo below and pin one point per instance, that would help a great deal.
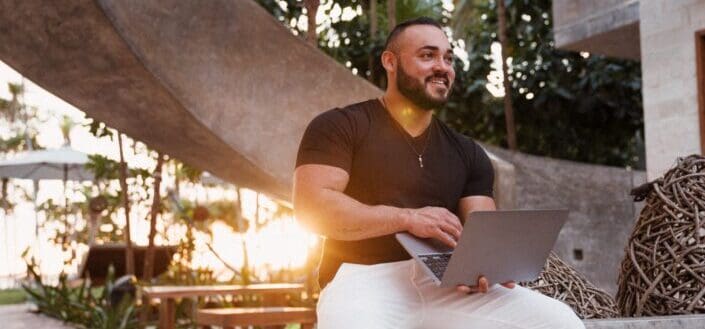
(338, 216)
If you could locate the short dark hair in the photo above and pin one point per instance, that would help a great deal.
(397, 30)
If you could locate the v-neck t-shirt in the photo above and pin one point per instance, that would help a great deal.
(381, 159)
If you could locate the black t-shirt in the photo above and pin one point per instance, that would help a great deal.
(364, 140)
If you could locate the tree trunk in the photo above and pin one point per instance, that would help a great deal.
(373, 37)
(129, 255)
(5, 182)
(508, 108)
(311, 10)
(156, 201)
(391, 14)
(241, 228)
(93, 226)
(177, 181)
(258, 220)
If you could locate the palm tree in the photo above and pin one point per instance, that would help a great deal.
(11, 109)
(66, 125)
(311, 10)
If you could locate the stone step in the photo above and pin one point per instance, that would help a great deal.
(654, 322)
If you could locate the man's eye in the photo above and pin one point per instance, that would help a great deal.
(426, 55)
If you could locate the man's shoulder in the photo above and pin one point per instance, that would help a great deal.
(353, 114)
(456, 136)
(363, 108)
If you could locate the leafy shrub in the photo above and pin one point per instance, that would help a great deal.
(83, 305)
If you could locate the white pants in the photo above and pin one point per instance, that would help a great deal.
(401, 295)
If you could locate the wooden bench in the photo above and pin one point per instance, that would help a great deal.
(272, 293)
(256, 316)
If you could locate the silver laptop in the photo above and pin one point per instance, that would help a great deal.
(503, 245)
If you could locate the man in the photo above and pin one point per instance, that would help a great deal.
(375, 168)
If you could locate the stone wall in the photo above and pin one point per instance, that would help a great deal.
(669, 80)
(601, 211)
(606, 27)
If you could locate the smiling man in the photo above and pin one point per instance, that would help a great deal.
(369, 170)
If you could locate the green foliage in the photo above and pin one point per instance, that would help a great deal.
(106, 170)
(66, 125)
(17, 118)
(187, 173)
(350, 41)
(103, 167)
(17, 143)
(354, 42)
(114, 202)
(99, 129)
(85, 306)
(12, 296)
(10, 109)
(284, 11)
(566, 106)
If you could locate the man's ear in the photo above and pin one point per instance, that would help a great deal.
(389, 61)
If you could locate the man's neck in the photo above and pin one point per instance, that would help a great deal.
(412, 118)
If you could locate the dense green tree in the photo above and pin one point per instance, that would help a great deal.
(574, 106)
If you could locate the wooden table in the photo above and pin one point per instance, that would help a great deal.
(168, 295)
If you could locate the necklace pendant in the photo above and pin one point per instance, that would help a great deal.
(420, 162)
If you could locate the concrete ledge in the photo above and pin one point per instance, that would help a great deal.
(598, 26)
(654, 322)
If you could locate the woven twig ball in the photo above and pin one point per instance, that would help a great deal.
(663, 271)
(560, 281)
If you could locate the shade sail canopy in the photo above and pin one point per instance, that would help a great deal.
(220, 85)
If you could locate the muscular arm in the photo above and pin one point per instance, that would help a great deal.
(321, 205)
(469, 204)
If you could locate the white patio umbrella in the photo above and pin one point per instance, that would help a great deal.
(63, 164)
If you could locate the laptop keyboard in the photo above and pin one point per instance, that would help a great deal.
(437, 263)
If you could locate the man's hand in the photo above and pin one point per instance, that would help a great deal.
(434, 222)
(483, 285)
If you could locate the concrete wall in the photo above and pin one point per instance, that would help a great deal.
(607, 27)
(669, 80)
(601, 211)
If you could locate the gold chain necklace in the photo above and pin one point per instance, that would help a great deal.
(406, 139)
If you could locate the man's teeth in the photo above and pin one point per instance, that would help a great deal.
(439, 81)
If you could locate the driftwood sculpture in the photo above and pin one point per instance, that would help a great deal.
(560, 281)
(663, 271)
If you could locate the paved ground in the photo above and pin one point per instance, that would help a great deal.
(19, 317)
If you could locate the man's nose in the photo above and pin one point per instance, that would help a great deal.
(441, 66)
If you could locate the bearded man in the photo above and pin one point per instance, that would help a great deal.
(372, 169)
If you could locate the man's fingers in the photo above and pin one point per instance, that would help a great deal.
(455, 233)
(464, 289)
(444, 216)
(468, 289)
(452, 220)
(482, 284)
(445, 237)
(510, 284)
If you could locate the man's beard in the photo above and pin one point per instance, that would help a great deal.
(416, 92)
